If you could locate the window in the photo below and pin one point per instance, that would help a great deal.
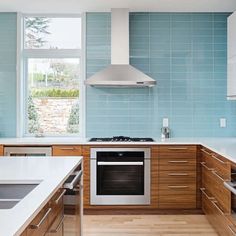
(52, 78)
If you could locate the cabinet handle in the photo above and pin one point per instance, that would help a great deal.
(78, 189)
(231, 229)
(217, 207)
(203, 150)
(178, 161)
(68, 148)
(61, 195)
(208, 197)
(205, 166)
(183, 186)
(42, 220)
(219, 177)
(178, 148)
(178, 174)
(53, 231)
(216, 158)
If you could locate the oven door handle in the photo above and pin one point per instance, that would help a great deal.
(119, 163)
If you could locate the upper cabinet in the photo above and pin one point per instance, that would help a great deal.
(231, 60)
(232, 35)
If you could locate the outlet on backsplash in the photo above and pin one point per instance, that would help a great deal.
(165, 122)
(222, 122)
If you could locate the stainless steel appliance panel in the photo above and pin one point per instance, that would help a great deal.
(120, 176)
(27, 151)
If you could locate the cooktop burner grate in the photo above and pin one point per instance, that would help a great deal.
(121, 139)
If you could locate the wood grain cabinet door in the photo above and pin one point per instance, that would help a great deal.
(39, 226)
(1, 150)
(67, 150)
(177, 177)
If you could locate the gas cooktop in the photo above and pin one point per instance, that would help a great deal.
(121, 139)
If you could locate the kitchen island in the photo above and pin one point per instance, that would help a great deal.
(48, 173)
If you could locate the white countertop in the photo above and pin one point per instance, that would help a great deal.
(52, 172)
(224, 146)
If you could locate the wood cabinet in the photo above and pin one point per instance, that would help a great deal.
(1, 150)
(177, 177)
(216, 199)
(49, 220)
(231, 54)
(67, 150)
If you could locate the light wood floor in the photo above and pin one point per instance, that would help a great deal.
(145, 225)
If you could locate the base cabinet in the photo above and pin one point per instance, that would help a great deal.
(67, 150)
(177, 177)
(216, 217)
(49, 220)
(1, 150)
(216, 199)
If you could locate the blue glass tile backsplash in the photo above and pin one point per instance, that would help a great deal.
(8, 74)
(186, 54)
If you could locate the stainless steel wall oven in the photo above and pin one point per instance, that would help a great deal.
(120, 176)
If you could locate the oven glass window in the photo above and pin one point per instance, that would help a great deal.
(120, 173)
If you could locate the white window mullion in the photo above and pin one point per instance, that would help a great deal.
(48, 53)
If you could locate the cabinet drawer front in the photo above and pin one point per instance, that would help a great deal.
(215, 217)
(67, 150)
(56, 204)
(57, 224)
(1, 150)
(215, 187)
(178, 163)
(42, 219)
(177, 201)
(169, 189)
(185, 176)
(173, 149)
(216, 162)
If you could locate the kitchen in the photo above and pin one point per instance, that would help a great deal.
(117, 118)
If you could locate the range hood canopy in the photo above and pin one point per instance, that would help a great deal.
(120, 73)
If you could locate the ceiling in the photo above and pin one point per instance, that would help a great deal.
(76, 6)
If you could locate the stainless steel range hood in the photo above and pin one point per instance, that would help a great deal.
(120, 73)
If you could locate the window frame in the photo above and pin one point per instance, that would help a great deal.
(22, 58)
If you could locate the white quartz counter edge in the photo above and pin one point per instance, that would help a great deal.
(52, 172)
(223, 146)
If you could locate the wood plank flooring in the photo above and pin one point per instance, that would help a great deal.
(145, 225)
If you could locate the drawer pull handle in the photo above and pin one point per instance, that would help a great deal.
(203, 150)
(53, 231)
(61, 195)
(178, 161)
(216, 158)
(219, 177)
(208, 197)
(178, 174)
(231, 229)
(178, 148)
(42, 220)
(176, 187)
(68, 148)
(217, 207)
(205, 166)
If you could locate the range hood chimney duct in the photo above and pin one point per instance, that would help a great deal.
(120, 73)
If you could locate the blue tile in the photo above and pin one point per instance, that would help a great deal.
(190, 71)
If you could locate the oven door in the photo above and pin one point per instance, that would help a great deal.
(120, 177)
